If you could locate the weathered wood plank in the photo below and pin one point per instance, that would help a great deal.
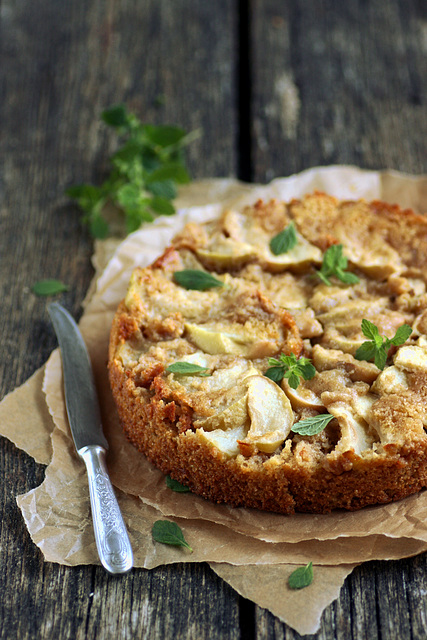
(175, 602)
(338, 83)
(60, 65)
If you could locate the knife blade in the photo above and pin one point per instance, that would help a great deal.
(84, 416)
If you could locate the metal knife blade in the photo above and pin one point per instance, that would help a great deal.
(79, 386)
(112, 540)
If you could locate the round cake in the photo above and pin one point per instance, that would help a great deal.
(276, 357)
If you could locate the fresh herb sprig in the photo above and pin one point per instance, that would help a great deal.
(168, 532)
(301, 577)
(376, 348)
(291, 368)
(285, 240)
(335, 264)
(145, 173)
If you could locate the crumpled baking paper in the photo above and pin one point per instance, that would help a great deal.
(253, 551)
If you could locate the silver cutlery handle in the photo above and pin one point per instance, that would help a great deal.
(112, 540)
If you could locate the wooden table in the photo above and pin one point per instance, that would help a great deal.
(276, 86)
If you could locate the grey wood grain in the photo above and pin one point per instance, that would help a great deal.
(61, 63)
(338, 83)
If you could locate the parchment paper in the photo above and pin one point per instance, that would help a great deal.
(260, 549)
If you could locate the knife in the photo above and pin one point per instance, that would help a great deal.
(112, 540)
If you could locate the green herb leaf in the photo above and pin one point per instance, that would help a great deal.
(402, 334)
(187, 369)
(168, 532)
(377, 347)
(370, 330)
(176, 486)
(165, 189)
(380, 357)
(48, 287)
(335, 264)
(196, 279)
(284, 241)
(291, 368)
(145, 173)
(366, 351)
(275, 373)
(172, 171)
(98, 227)
(301, 577)
(313, 425)
(164, 135)
(116, 116)
(162, 205)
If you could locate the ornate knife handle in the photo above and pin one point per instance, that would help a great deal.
(112, 540)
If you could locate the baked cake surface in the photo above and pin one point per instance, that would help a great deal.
(202, 376)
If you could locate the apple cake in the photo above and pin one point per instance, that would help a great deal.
(276, 357)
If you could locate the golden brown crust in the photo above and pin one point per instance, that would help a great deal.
(153, 429)
(374, 453)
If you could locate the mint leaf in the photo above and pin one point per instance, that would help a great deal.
(115, 116)
(98, 227)
(301, 577)
(293, 379)
(196, 280)
(335, 264)
(313, 425)
(162, 205)
(49, 287)
(401, 335)
(347, 277)
(366, 351)
(168, 532)
(370, 330)
(176, 486)
(275, 373)
(187, 369)
(307, 369)
(380, 357)
(291, 368)
(165, 189)
(164, 135)
(284, 241)
(172, 171)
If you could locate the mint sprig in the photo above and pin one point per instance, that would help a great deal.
(376, 348)
(291, 368)
(145, 172)
(335, 264)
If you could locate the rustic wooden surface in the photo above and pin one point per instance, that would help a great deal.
(276, 86)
